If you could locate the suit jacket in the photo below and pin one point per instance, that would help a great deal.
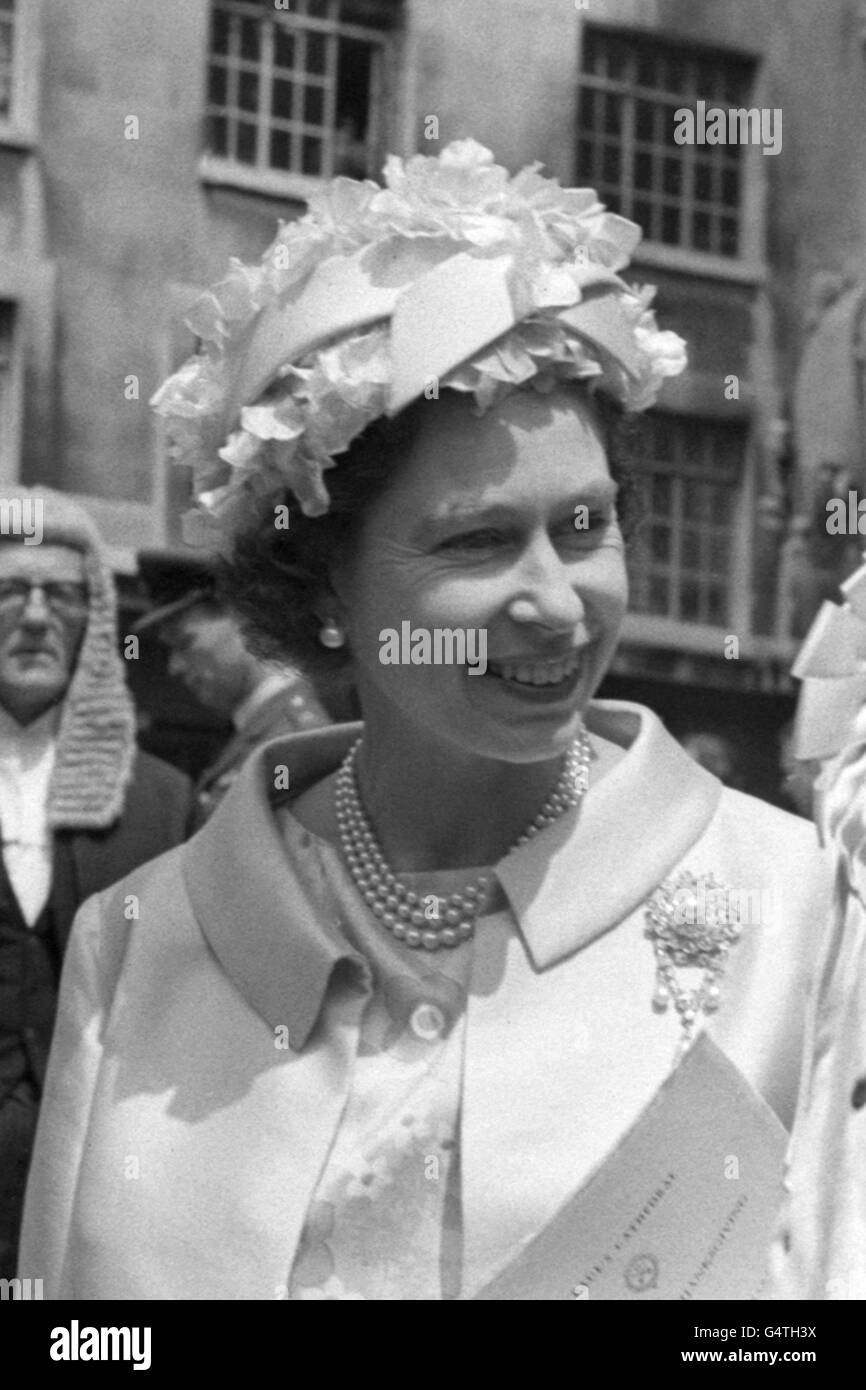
(155, 812)
(279, 714)
(165, 1058)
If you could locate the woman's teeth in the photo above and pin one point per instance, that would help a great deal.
(536, 672)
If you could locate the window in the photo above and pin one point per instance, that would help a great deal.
(20, 39)
(300, 91)
(689, 196)
(682, 561)
(7, 55)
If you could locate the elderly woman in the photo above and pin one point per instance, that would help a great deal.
(368, 1031)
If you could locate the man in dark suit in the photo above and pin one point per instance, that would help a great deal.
(208, 653)
(80, 805)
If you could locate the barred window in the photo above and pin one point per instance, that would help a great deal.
(681, 559)
(689, 196)
(7, 56)
(301, 90)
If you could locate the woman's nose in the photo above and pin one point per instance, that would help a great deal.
(546, 593)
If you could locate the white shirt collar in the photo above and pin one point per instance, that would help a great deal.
(26, 765)
(15, 737)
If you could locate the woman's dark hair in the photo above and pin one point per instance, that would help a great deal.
(274, 577)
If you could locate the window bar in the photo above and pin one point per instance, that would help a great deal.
(628, 141)
(701, 578)
(7, 72)
(329, 133)
(233, 87)
(742, 548)
(676, 577)
(689, 174)
(266, 84)
(374, 109)
(644, 566)
(298, 91)
(716, 196)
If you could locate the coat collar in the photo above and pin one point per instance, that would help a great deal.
(563, 895)
(267, 930)
(265, 927)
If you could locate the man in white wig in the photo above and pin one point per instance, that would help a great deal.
(80, 806)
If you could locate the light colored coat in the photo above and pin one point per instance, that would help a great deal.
(179, 1147)
(820, 1247)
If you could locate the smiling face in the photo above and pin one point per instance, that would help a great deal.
(39, 639)
(477, 531)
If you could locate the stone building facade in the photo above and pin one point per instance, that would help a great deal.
(144, 142)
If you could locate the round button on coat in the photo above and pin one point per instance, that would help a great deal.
(427, 1022)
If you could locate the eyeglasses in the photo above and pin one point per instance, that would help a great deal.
(64, 599)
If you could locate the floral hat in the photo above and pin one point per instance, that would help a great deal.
(453, 274)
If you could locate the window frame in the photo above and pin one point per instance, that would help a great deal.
(663, 629)
(389, 110)
(19, 129)
(748, 265)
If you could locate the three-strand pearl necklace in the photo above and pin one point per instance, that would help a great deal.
(399, 908)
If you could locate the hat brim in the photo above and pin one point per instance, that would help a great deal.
(166, 611)
(441, 317)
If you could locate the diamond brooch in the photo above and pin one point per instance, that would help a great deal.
(692, 921)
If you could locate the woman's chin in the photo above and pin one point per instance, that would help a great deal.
(521, 727)
(487, 716)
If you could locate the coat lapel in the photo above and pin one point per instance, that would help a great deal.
(283, 965)
(642, 817)
(548, 1048)
(275, 935)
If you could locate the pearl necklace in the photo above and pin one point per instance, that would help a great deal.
(399, 908)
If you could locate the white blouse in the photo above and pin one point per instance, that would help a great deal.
(26, 764)
(385, 1219)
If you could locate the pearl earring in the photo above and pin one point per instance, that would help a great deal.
(331, 635)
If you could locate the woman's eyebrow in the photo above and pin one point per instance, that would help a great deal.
(431, 527)
(600, 494)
